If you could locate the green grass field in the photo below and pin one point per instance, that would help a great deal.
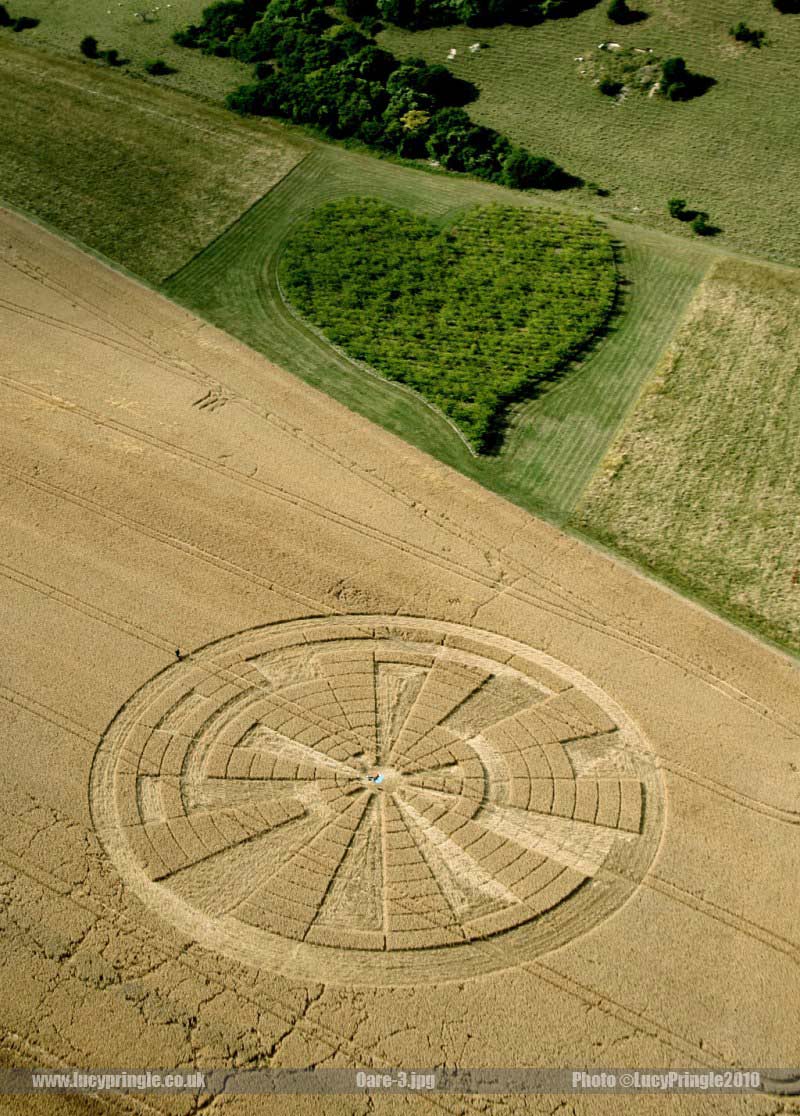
(703, 485)
(135, 172)
(557, 439)
(732, 152)
(63, 23)
(713, 151)
(470, 316)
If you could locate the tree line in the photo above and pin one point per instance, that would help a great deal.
(311, 69)
(419, 14)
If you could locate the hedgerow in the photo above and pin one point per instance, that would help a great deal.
(418, 14)
(313, 70)
(472, 316)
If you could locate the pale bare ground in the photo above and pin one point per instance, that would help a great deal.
(342, 602)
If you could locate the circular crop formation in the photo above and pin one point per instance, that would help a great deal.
(376, 800)
(471, 315)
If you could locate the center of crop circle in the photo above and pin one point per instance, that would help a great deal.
(384, 778)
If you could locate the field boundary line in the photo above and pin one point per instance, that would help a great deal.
(384, 538)
(228, 229)
(642, 390)
(486, 581)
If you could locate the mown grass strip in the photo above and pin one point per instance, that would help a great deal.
(556, 439)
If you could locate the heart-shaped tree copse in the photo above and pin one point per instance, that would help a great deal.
(473, 314)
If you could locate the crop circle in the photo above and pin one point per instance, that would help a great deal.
(376, 800)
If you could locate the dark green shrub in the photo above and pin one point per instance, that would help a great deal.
(89, 46)
(419, 14)
(672, 70)
(677, 208)
(187, 36)
(678, 83)
(523, 171)
(619, 12)
(255, 99)
(371, 25)
(360, 9)
(24, 23)
(787, 7)
(158, 67)
(5, 18)
(609, 88)
(111, 57)
(744, 34)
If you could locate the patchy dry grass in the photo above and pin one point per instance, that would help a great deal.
(703, 486)
(133, 171)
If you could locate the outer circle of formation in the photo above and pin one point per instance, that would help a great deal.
(376, 800)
